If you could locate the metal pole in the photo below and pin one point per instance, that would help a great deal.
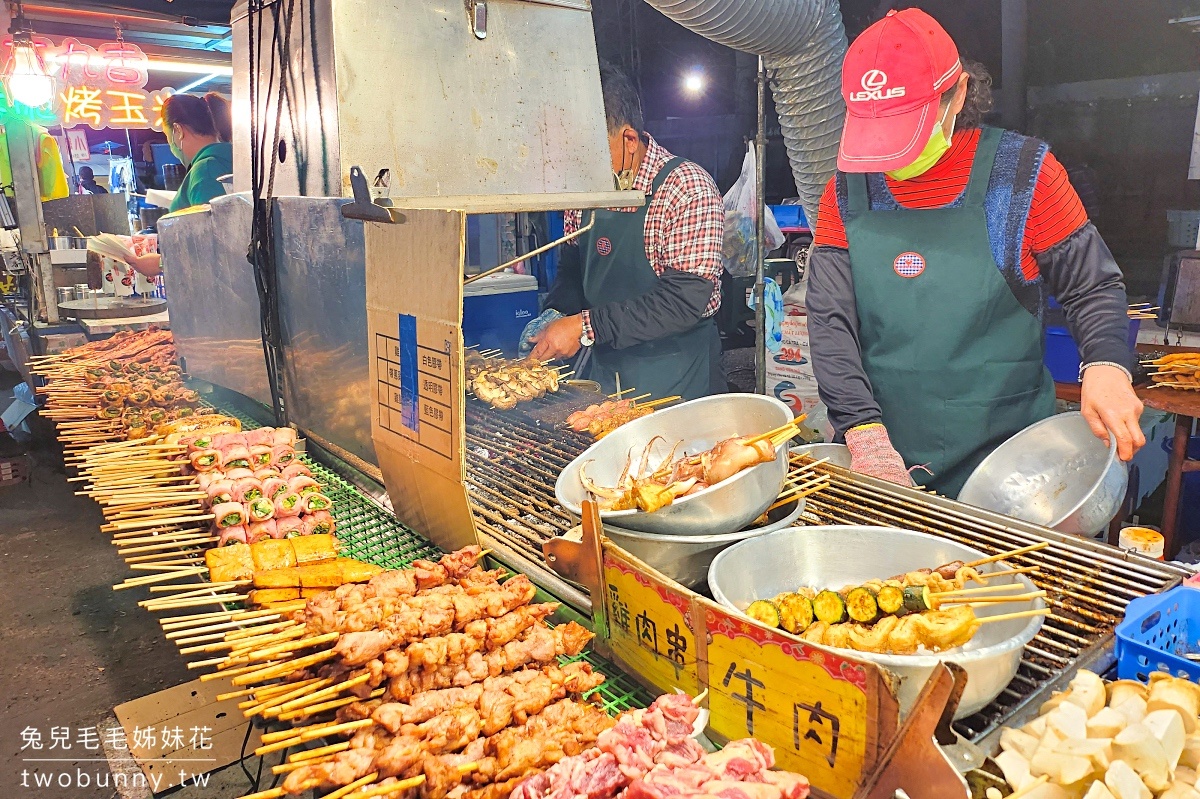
(760, 312)
(1014, 15)
(27, 193)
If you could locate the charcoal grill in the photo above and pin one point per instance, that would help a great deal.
(514, 459)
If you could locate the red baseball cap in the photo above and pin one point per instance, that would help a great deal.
(892, 78)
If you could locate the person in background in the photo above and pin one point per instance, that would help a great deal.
(87, 181)
(199, 130)
(52, 177)
(937, 245)
(642, 286)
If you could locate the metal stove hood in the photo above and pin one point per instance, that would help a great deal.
(465, 102)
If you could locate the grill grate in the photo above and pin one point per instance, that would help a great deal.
(513, 460)
(1088, 587)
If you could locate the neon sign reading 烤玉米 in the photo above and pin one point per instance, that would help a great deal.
(101, 87)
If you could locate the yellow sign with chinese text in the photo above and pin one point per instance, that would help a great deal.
(650, 627)
(811, 705)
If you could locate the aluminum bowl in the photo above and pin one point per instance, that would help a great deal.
(831, 557)
(724, 508)
(835, 454)
(1055, 473)
(686, 558)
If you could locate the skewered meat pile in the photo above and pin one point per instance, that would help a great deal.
(446, 666)
(130, 379)
(649, 489)
(502, 383)
(650, 754)
(600, 420)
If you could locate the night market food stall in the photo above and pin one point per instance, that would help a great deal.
(476, 631)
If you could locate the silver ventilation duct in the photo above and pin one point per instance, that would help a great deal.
(802, 43)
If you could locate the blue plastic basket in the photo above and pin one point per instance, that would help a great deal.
(1157, 632)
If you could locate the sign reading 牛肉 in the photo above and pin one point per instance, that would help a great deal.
(811, 705)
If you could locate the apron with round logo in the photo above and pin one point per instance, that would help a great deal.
(954, 360)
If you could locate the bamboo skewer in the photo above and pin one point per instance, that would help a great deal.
(352, 787)
(1023, 614)
(158, 578)
(216, 675)
(1010, 554)
(325, 693)
(312, 710)
(276, 700)
(990, 589)
(979, 601)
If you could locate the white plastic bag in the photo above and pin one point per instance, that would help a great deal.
(741, 211)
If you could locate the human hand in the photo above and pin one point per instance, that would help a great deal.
(871, 452)
(559, 339)
(1109, 404)
(149, 264)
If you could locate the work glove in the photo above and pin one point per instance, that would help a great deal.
(534, 327)
(871, 452)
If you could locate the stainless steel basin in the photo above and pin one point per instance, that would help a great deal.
(1055, 473)
(724, 508)
(833, 557)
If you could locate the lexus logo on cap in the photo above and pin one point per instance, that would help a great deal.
(873, 81)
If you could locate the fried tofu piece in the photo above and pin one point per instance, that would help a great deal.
(355, 571)
(320, 575)
(278, 578)
(314, 548)
(273, 553)
(266, 596)
(229, 563)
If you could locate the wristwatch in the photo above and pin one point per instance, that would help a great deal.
(586, 339)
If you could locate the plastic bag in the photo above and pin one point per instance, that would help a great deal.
(741, 209)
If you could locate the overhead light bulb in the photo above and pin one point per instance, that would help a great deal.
(694, 83)
(28, 82)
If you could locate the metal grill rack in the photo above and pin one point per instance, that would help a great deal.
(513, 460)
(1088, 585)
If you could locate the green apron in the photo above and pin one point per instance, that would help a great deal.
(616, 269)
(954, 360)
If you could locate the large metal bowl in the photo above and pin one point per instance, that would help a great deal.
(832, 557)
(724, 508)
(686, 558)
(1055, 473)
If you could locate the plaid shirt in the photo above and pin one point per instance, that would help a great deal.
(685, 223)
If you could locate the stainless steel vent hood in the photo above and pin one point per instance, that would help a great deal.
(458, 99)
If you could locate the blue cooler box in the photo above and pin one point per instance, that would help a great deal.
(497, 308)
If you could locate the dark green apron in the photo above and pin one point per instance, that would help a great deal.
(954, 360)
(616, 269)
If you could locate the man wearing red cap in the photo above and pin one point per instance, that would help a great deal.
(938, 243)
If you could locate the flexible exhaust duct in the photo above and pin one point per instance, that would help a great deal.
(802, 43)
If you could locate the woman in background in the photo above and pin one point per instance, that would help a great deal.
(199, 130)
